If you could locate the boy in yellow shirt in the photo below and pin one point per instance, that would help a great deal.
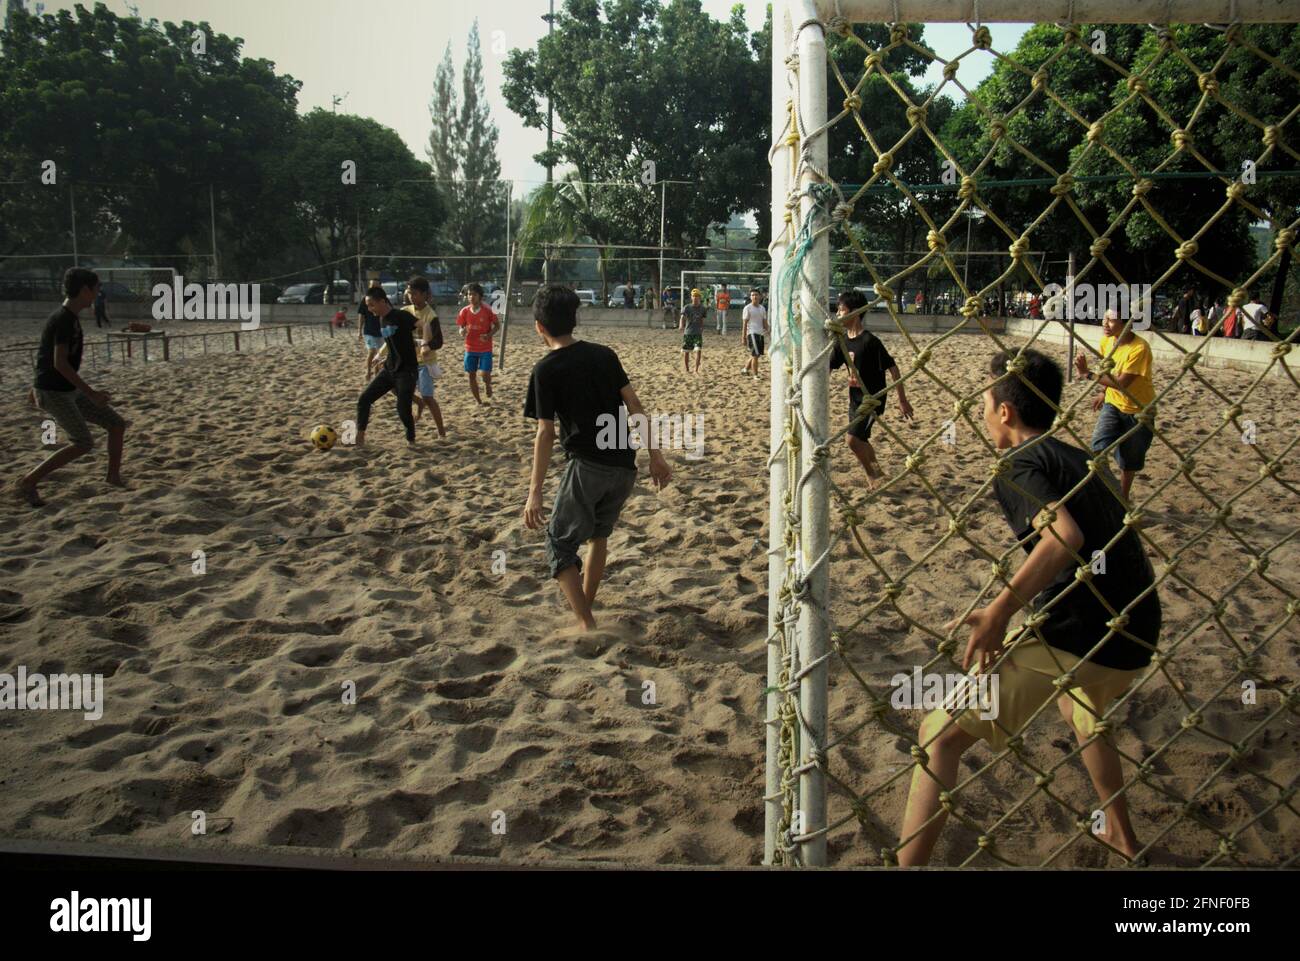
(1128, 391)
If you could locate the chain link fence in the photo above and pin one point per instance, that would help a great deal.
(870, 581)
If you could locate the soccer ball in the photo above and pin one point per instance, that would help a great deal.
(324, 437)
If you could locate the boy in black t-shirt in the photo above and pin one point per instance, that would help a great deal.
(867, 378)
(400, 365)
(582, 386)
(60, 392)
(1100, 631)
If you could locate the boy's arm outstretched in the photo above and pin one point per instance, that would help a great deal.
(659, 469)
(543, 444)
(1057, 548)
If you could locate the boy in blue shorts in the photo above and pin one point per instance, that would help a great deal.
(428, 343)
(478, 323)
(368, 335)
(581, 387)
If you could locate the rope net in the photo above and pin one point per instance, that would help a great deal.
(1206, 735)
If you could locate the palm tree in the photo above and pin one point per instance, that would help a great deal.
(565, 212)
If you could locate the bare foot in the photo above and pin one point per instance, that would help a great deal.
(115, 480)
(27, 493)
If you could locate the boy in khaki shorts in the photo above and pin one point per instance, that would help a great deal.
(1060, 534)
(60, 391)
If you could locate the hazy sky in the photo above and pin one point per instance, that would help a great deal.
(382, 54)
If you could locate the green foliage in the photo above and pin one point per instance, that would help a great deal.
(636, 81)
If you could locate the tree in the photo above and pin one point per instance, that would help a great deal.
(389, 203)
(647, 93)
(115, 101)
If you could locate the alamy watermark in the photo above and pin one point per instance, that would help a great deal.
(53, 692)
(181, 301)
(655, 431)
(949, 692)
(1091, 301)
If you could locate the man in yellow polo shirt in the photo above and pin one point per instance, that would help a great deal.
(1128, 391)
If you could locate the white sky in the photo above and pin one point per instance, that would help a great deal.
(383, 53)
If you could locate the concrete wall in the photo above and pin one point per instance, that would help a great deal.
(1216, 352)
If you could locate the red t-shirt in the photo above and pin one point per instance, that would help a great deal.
(478, 336)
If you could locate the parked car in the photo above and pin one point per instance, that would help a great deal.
(617, 298)
(394, 289)
(443, 292)
(315, 293)
(587, 297)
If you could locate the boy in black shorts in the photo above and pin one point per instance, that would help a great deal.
(61, 393)
(1097, 637)
(870, 361)
(581, 385)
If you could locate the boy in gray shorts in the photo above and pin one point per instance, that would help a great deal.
(61, 393)
(582, 386)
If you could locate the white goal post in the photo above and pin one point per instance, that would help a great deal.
(799, 629)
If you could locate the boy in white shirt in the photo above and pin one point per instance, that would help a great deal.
(754, 327)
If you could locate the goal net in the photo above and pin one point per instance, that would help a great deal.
(1151, 147)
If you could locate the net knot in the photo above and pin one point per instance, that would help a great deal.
(1285, 238)
(919, 755)
(1039, 80)
(872, 61)
(792, 62)
(1099, 246)
(1232, 36)
(972, 307)
(1181, 138)
(1191, 720)
(853, 102)
(982, 39)
(1083, 573)
(898, 33)
(842, 212)
(1272, 134)
(956, 525)
(936, 241)
(884, 292)
(851, 517)
(1165, 36)
(1281, 350)
(1064, 184)
(962, 406)
(985, 842)
(1118, 622)
(916, 115)
(997, 130)
(884, 163)
(1208, 83)
(1259, 565)
(1137, 84)
(1094, 131)
(1043, 780)
(913, 461)
(967, 189)
(1142, 187)
(838, 24)
(950, 69)
(1236, 190)
(1018, 249)
(945, 799)
(999, 569)
(1070, 36)
(1187, 250)
(1237, 297)
(922, 359)
(893, 590)
(1037, 619)
(1016, 365)
(1065, 681)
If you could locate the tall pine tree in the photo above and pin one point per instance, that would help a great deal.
(463, 148)
(444, 149)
